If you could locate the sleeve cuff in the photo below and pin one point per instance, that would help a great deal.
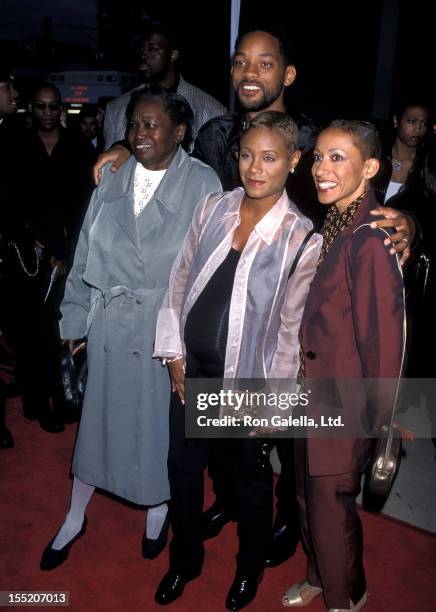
(72, 329)
(168, 342)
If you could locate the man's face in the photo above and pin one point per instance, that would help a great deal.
(46, 109)
(89, 126)
(259, 74)
(8, 98)
(155, 56)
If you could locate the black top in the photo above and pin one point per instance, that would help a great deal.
(59, 186)
(207, 323)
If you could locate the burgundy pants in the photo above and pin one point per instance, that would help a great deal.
(331, 531)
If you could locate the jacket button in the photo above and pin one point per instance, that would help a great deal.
(136, 354)
(310, 355)
(106, 348)
(139, 300)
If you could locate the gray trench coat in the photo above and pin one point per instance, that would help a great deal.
(113, 293)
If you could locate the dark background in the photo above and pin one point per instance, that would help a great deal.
(336, 44)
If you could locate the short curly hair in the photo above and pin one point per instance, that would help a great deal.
(175, 105)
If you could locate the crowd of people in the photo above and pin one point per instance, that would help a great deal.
(224, 247)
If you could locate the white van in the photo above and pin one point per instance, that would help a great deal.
(80, 87)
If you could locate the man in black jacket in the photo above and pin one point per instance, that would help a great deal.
(21, 305)
(8, 106)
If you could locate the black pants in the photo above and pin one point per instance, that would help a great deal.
(286, 495)
(224, 485)
(27, 331)
(252, 487)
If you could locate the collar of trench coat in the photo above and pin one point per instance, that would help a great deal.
(167, 195)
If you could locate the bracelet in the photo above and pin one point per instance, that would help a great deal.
(166, 360)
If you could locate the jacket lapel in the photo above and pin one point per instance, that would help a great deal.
(323, 281)
(121, 198)
(332, 267)
(167, 198)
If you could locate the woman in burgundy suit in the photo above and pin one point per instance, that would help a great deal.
(352, 328)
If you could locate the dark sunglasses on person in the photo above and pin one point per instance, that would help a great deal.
(53, 106)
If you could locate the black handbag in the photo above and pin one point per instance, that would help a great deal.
(74, 371)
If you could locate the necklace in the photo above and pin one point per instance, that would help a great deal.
(20, 259)
(397, 163)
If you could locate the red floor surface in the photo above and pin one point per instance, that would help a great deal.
(106, 572)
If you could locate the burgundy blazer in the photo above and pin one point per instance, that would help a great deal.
(352, 328)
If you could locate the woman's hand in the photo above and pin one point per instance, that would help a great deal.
(405, 227)
(177, 374)
(406, 434)
(59, 264)
(74, 347)
(117, 154)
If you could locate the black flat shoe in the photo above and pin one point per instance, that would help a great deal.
(6, 439)
(242, 591)
(213, 520)
(283, 544)
(51, 558)
(172, 586)
(152, 548)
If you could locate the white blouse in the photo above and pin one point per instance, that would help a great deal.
(265, 309)
(145, 184)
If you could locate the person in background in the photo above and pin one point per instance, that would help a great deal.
(232, 312)
(419, 196)
(133, 229)
(8, 106)
(160, 56)
(352, 328)
(411, 123)
(22, 275)
(89, 125)
(60, 182)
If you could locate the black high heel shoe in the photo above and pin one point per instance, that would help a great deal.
(152, 548)
(52, 558)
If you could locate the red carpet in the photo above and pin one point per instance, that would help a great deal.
(106, 571)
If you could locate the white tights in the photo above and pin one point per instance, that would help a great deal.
(80, 496)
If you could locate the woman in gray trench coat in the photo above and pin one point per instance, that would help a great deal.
(133, 230)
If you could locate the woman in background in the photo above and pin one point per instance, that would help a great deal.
(411, 122)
